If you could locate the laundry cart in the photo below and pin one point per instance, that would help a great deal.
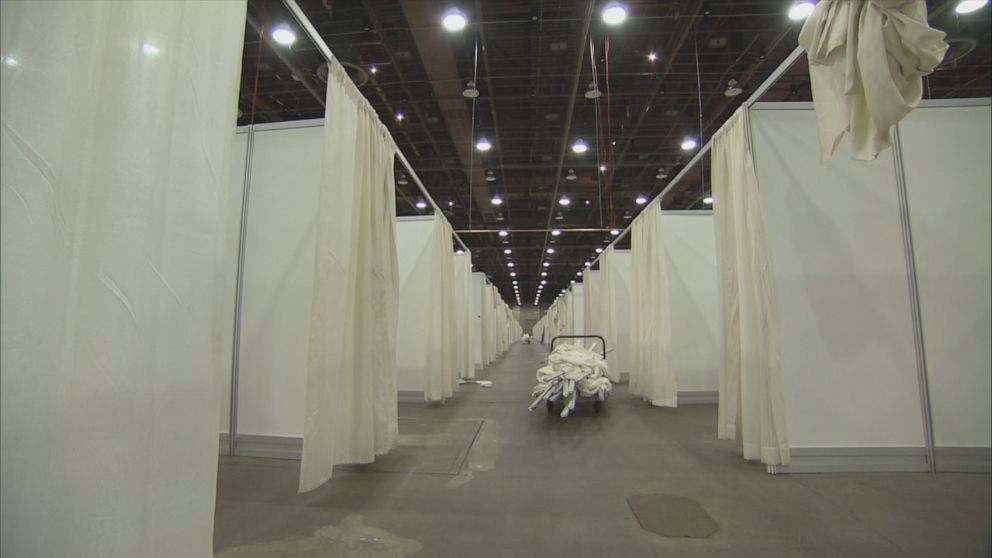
(572, 373)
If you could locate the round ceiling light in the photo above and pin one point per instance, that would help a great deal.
(571, 175)
(507, 251)
(454, 20)
(801, 10)
(283, 35)
(593, 92)
(968, 6)
(470, 91)
(641, 200)
(496, 200)
(599, 250)
(614, 13)
(564, 200)
(503, 232)
(580, 146)
(614, 232)
(421, 204)
(708, 200)
(688, 144)
(555, 232)
(483, 145)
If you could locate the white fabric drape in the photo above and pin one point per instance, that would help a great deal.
(652, 376)
(117, 280)
(866, 61)
(590, 279)
(752, 404)
(351, 376)
(442, 358)
(606, 309)
(464, 329)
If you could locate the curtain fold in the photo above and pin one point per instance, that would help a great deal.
(752, 404)
(463, 288)
(606, 310)
(117, 284)
(866, 63)
(350, 412)
(442, 360)
(652, 376)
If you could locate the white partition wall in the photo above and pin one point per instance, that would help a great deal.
(478, 325)
(622, 283)
(948, 187)
(694, 303)
(851, 372)
(579, 312)
(413, 236)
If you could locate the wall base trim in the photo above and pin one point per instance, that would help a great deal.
(963, 459)
(855, 460)
(271, 447)
(699, 397)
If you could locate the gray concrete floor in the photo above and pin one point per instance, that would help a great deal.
(537, 485)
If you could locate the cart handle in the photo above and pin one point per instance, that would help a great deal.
(600, 337)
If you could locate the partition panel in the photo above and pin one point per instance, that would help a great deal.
(623, 279)
(413, 235)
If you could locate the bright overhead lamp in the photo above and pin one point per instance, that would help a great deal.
(968, 6)
(602, 168)
(496, 200)
(470, 91)
(283, 35)
(507, 251)
(454, 20)
(599, 250)
(593, 92)
(543, 282)
(708, 200)
(571, 175)
(733, 89)
(503, 232)
(421, 204)
(614, 13)
(402, 181)
(513, 274)
(641, 199)
(555, 232)
(652, 56)
(578, 274)
(490, 177)
(564, 200)
(546, 264)
(661, 174)
(373, 69)
(544, 274)
(614, 232)
(801, 10)
(483, 145)
(688, 144)
(514, 281)
(580, 146)
(451, 203)
(510, 264)
(587, 264)
(459, 251)
(400, 116)
(551, 250)
(572, 281)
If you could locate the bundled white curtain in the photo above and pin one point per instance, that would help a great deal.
(866, 62)
(752, 404)
(351, 374)
(652, 376)
(442, 353)
(606, 309)
(465, 323)
(117, 283)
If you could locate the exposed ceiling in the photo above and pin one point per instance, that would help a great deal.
(532, 69)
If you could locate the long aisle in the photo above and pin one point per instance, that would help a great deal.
(482, 477)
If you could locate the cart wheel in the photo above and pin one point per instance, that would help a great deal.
(597, 405)
(551, 406)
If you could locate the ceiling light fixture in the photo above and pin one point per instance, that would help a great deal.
(614, 232)
(801, 10)
(652, 56)
(496, 200)
(599, 250)
(614, 13)
(968, 6)
(564, 200)
(483, 145)
(283, 35)
(451, 203)
(593, 92)
(733, 89)
(602, 168)
(688, 144)
(571, 175)
(400, 116)
(587, 264)
(507, 251)
(421, 204)
(503, 232)
(470, 91)
(555, 232)
(580, 146)
(373, 69)
(543, 282)
(550, 250)
(544, 274)
(513, 274)
(641, 200)
(510, 264)
(572, 281)
(459, 251)
(546, 264)
(708, 200)
(402, 181)
(454, 20)
(578, 274)
(490, 177)
(661, 174)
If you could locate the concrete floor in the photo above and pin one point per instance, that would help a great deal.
(537, 485)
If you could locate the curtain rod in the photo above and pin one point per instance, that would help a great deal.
(325, 50)
(761, 90)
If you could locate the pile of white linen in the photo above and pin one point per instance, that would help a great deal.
(572, 371)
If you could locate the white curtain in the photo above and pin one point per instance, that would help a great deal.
(606, 316)
(752, 404)
(442, 352)
(351, 375)
(464, 330)
(590, 279)
(866, 62)
(488, 325)
(116, 293)
(652, 375)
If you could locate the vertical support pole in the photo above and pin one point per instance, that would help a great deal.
(232, 437)
(922, 374)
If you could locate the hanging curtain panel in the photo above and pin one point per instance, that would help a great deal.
(652, 376)
(351, 375)
(441, 374)
(867, 59)
(752, 405)
(606, 316)
(465, 323)
(590, 279)
(117, 279)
